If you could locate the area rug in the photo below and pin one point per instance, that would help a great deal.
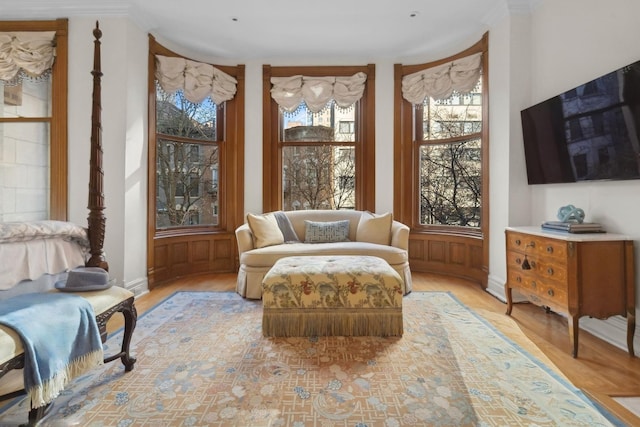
(202, 361)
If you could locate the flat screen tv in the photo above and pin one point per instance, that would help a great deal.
(590, 132)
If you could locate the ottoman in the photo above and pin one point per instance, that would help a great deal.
(332, 295)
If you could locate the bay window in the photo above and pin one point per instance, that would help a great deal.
(441, 159)
(196, 158)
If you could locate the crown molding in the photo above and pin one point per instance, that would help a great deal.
(52, 9)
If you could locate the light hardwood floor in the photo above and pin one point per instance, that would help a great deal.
(601, 370)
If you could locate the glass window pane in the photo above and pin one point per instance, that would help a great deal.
(30, 98)
(458, 115)
(176, 116)
(187, 184)
(450, 184)
(331, 124)
(318, 177)
(24, 171)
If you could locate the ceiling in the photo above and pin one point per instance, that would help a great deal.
(274, 29)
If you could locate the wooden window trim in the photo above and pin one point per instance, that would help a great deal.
(439, 249)
(231, 153)
(271, 150)
(58, 139)
(406, 162)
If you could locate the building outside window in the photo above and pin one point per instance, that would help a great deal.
(187, 154)
(318, 141)
(450, 160)
(318, 165)
(33, 121)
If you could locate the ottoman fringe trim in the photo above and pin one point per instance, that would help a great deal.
(331, 322)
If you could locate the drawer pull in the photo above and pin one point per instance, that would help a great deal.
(533, 284)
(550, 249)
(518, 279)
(550, 292)
(518, 242)
(518, 261)
(533, 264)
(550, 271)
(532, 244)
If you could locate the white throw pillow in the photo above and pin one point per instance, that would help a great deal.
(265, 230)
(374, 228)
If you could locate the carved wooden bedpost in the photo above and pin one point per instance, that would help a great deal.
(96, 217)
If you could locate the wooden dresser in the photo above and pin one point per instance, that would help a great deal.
(573, 274)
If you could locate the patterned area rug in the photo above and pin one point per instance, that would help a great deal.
(202, 361)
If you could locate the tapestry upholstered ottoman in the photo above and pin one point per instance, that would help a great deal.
(332, 295)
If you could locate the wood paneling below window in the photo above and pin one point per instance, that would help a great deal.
(187, 255)
(459, 256)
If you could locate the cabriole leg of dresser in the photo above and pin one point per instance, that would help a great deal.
(573, 333)
(631, 330)
(507, 294)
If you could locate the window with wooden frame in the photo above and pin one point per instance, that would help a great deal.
(33, 120)
(441, 155)
(196, 158)
(319, 138)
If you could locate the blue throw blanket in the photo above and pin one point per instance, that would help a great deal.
(61, 340)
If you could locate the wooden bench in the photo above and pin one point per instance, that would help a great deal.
(105, 304)
(332, 295)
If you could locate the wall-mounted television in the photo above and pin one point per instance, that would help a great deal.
(590, 132)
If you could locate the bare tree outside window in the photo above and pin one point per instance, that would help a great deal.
(187, 161)
(318, 159)
(450, 160)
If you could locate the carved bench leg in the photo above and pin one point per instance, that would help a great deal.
(130, 319)
(36, 414)
(128, 310)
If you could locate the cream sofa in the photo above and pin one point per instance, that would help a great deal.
(255, 262)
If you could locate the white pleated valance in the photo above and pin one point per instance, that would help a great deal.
(29, 52)
(197, 79)
(439, 82)
(316, 92)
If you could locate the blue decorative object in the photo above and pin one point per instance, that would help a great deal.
(570, 213)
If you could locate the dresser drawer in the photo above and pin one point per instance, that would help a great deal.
(543, 289)
(544, 267)
(535, 245)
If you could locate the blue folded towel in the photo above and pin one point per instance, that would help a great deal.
(61, 340)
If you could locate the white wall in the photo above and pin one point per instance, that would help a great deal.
(562, 44)
(597, 38)
(509, 65)
(124, 120)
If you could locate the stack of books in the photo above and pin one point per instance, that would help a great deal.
(573, 227)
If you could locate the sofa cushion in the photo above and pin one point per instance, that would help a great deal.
(265, 230)
(267, 256)
(374, 228)
(298, 218)
(326, 232)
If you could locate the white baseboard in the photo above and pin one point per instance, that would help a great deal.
(495, 286)
(612, 330)
(138, 286)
